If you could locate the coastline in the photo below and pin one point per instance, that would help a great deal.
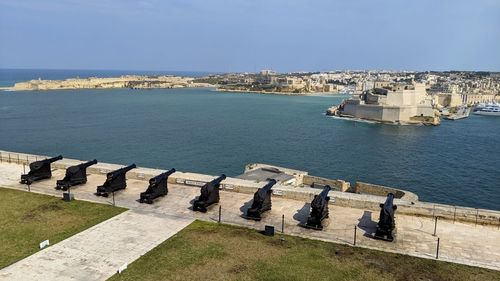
(280, 93)
(126, 81)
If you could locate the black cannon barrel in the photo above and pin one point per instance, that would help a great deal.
(218, 180)
(325, 192)
(47, 161)
(389, 204)
(263, 191)
(54, 159)
(121, 170)
(162, 176)
(269, 185)
(87, 164)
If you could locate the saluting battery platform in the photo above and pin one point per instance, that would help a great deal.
(209, 192)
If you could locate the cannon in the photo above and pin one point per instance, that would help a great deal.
(158, 186)
(39, 170)
(319, 209)
(209, 195)
(386, 223)
(261, 202)
(75, 175)
(115, 181)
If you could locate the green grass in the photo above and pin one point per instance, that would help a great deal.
(208, 251)
(26, 219)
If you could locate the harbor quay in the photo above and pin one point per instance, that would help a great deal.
(423, 229)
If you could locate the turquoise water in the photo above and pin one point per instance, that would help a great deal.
(200, 130)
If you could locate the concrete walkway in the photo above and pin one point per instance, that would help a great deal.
(98, 252)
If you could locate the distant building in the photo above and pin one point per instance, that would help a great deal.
(267, 72)
(402, 104)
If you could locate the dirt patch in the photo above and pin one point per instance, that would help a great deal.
(239, 268)
(36, 214)
(54, 206)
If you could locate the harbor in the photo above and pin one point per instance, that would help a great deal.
(419, 159)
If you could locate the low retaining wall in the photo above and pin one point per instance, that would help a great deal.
(305, 194)
(335, 184)
(380, 190)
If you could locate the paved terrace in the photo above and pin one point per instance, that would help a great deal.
(466, 243)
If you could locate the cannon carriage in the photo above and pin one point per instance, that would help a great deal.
(209, 194)
(75, 175)
(319, 210)
(261, 202)
(115, 181)
(158, 186)
(39, 170)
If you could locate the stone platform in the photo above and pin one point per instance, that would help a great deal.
(465, 243)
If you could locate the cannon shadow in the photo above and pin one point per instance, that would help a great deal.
(367, 224)
(244, 208)
(302, 214)
(191, 203)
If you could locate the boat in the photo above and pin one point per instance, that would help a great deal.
(462, 112)
(491, 109)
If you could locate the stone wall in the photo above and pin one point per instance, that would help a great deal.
(380, 190)
(339, 185)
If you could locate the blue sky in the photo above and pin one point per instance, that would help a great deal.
(249, 35)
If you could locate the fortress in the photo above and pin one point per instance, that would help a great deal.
(394, 103)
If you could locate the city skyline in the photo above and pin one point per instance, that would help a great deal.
(243, 36)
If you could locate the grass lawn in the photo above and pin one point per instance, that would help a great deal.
(208, 251)
(26, 219)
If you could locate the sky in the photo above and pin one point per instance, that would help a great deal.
(250, 35)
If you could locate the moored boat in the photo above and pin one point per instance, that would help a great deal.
(491, 109)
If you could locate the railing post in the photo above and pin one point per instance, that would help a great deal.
(477, 214)
(437, 250)
(9, 157)
(355, 229)
(435, 225)
(220, 211)
(283, 224)
(455, 214)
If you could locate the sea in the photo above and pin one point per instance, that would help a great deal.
(204, 131)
